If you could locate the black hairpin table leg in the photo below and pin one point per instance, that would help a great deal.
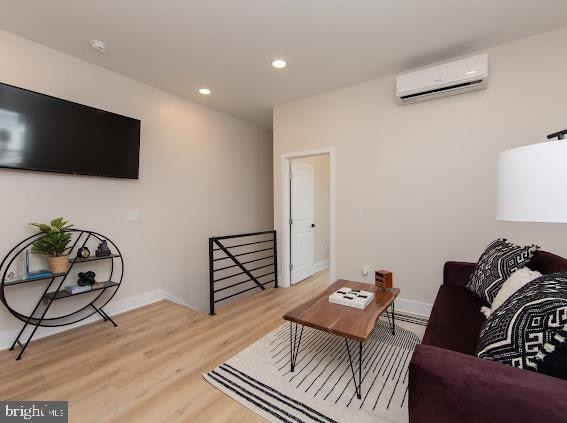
(392, 322)
(294, 343)
(357, 385)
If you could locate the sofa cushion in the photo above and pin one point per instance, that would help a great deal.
(455, 320)
(448, 387)
(497, 262)
(547, 263)
(522, 331)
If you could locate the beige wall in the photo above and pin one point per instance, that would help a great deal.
(201, 173)
(322, 205)
(424, 174)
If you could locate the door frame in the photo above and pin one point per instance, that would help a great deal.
(285, 209)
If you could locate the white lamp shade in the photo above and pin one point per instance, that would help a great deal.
(532, 183)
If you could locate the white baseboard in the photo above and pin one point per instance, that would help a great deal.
(317, 267)
(413, 307)
(169, 296)
(130, 303)
(114, 307)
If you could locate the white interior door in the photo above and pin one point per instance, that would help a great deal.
(302, 221)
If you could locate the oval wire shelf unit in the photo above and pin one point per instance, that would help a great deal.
(38, 317)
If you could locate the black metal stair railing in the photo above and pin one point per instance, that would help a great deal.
(240, 263)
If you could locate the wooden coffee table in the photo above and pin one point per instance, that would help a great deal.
(346, 322)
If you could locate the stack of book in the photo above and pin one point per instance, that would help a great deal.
(76, 289)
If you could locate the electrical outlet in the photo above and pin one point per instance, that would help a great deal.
(133, 216)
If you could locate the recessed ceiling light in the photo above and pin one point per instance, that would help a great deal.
(205, 91)
(98, 45)
(279, 63)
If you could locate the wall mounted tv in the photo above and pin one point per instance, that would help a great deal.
(40, 132)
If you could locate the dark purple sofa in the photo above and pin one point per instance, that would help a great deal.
(448, 383)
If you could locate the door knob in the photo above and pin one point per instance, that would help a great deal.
(313, 225)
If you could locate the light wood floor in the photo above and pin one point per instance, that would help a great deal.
(149, 367)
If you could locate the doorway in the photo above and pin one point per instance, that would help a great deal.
(309, 210)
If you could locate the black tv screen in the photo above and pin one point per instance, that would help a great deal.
(40, 132)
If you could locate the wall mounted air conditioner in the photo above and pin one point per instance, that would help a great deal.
(459, 76)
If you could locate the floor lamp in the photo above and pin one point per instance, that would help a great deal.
(532, 182)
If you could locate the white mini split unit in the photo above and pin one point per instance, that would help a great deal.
(451, 78)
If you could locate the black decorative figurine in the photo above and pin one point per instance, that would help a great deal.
(86, 278)
(103, 250)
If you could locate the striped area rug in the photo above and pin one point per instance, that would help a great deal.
(322, 389)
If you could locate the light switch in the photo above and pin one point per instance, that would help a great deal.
(133, 216)
(359, 215)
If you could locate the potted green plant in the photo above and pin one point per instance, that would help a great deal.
(54, 244)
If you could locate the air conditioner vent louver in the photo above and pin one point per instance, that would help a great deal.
(441, 90)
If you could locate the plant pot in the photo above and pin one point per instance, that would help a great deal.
(58, 264)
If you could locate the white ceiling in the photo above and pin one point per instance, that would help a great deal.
(228, 45)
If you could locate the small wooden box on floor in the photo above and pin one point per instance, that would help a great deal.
(383, 279)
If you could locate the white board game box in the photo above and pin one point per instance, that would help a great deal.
(352, 298)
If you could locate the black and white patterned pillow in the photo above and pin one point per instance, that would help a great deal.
(552, 358)
(528, 329)
(497, 262)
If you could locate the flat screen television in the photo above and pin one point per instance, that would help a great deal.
(40, 132)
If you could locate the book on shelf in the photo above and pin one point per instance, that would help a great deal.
(75, 289)
(37, 274)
